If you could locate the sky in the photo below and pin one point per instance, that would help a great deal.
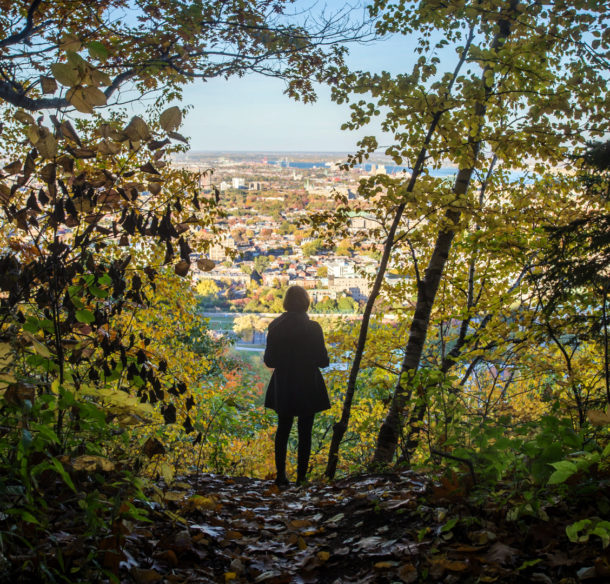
(252, 113)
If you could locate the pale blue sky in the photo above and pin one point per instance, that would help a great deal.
(252, 113)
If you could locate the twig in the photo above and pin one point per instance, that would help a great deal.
(467, 462)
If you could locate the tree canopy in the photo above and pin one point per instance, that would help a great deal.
(157, 46)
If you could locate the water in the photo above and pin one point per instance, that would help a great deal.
(389, 169)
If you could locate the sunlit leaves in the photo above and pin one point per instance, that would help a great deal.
(84, 99)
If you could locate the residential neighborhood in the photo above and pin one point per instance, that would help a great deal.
(265, 241)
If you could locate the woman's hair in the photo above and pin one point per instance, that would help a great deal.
(296, 299)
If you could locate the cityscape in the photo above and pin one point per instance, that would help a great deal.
(266, 197)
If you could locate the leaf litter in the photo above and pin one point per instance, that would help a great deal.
(392, 528)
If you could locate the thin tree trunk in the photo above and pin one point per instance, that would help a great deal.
(391, 429)
(340, 427)
(606, 368)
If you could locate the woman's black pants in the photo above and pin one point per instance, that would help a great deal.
(284, 425)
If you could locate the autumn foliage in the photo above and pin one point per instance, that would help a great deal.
(479, 410)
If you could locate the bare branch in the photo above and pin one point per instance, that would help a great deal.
(27, 29)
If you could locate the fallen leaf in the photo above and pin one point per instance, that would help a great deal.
(500, 553)
(92, 463)
(408, 573)
(145, 576)
(199, 502)
(174, 496)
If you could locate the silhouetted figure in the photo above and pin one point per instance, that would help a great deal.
(295, 350)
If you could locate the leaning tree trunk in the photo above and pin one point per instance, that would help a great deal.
(340, 427)
(391, 429)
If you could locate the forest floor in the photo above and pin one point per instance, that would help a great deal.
(392, 528)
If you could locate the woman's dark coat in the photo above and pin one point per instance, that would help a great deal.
(296, 350)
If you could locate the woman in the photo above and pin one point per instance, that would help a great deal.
(295, 350)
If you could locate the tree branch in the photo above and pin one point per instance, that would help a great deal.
(27, 29)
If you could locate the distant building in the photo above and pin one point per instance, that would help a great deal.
(340, 269)
(238, 183)
(218, 252)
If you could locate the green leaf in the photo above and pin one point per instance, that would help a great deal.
(97, 51)
(98, 292)
(573, 530)
(27, 516)
(47, 432)
(32, 325)
(560, 476)
(603, 532)
(85, 316)
(449, 525)
(26, 438)
(565, 466)
(529, 564)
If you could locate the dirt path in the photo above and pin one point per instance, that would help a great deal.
(383, 529)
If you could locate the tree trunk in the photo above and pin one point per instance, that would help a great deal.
(340, 427)
(391, 429)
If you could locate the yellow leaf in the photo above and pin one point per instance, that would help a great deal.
(99, 77)
(174, 496)
(94, 97)
(200, 502)
(67, 75)
(24, 118)
(6, 356)
(70, 42)
(175, 517)
(41, 349)
(167, 472)
(137, 129)
(230, 576)
(385, 565)
(33, 134)
(47, 146)
(92, 463)
(300, 523)
(323, 556)
(76, 97)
